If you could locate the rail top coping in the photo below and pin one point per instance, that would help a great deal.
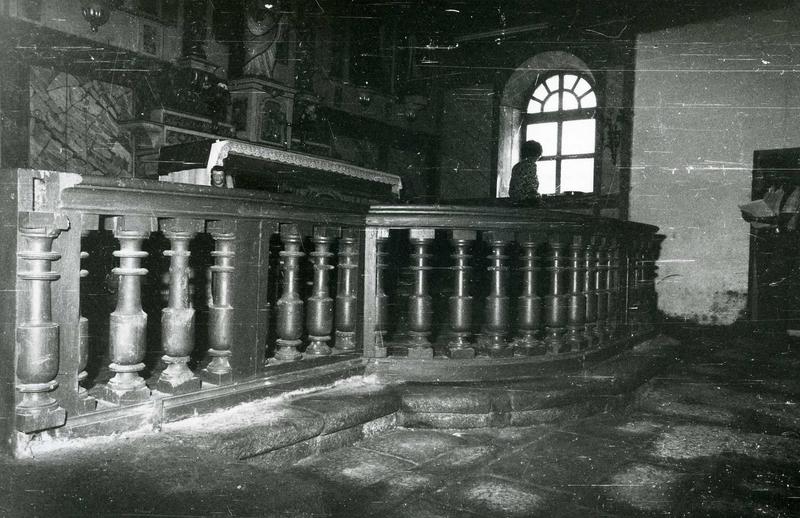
(51, 191)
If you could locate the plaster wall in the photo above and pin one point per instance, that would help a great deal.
(706, 96)
(468, 141)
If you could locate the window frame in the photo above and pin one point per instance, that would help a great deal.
(560, 116)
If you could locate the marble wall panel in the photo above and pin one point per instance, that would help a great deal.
(74, 124)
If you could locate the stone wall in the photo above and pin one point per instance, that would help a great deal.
(706, 96)
(74, 124)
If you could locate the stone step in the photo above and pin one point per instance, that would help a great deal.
(559, 397)
(282, 430)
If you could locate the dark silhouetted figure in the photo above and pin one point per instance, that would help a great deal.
(524, 185)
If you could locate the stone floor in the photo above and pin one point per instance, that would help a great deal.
(715, 433)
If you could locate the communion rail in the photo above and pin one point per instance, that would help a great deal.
(212, 293)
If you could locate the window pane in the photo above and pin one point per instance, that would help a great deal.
(589, 101)
(551, 104)
(577, 174)
(582, 87)
(569, 81)
(534, 106)
(552, 83)
(540, 93)
(546, 173)
(570, 102)
(577, 136)
(546, 134)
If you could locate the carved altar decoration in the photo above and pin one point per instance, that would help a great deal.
(262, 110)
(265, 27)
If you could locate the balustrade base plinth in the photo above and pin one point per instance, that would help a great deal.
(215, 378)
(318, 347)
(123, 397)
(41, 420)
(465, 353)
(419, 347)
(529, 346)
(345, 342)
(574, 338)
(177, 378)
(287, 351)
(420, 353)
(86, 403)
(39, 411)
(590, 333)
(193, 384)
(554, 340)
(501, 352)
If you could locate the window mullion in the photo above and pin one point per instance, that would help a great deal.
(559, 132)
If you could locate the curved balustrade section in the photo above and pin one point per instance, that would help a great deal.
(524, 285)
(193, 296)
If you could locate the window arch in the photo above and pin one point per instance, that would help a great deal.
(560, 115)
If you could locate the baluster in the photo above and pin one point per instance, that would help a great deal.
(420, 303)
(346, 293)
(177, 319)
(628, 266)
(576, 299)
(498, 323)
(592, 291)
(648, 285)
(555, 301)
(128, 323)
(612, 287)
(87, 403)
(220, 303)
(529, 308)
(637, 306)
(290, 305)
(381, 299)
(601, 286)
(461, 301)
(37, 335)
(319, 321)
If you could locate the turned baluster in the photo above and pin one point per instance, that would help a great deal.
(346, 293)
(555, 301)
(628, 264)
(87, 403)
(319, 317)
(420, 307)
(290, 305)
(648, 285)
(592, 291)
(220, 303)
(37, 335)
(177, 319)
(128, 323)
(637, 304)
(459, 346)
(601, 286)
(381, 299)
(498, 322)
(612, 288)
(576, 299)
(529, 306)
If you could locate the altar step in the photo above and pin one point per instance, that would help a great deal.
(279, 431)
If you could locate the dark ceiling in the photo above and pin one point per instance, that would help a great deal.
(466, 18)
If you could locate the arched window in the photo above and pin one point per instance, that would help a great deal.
(560, 116)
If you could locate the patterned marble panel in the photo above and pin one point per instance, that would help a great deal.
(74, 124)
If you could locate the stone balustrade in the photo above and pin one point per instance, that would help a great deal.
(130, 292)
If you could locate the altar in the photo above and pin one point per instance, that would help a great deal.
(259, 167)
